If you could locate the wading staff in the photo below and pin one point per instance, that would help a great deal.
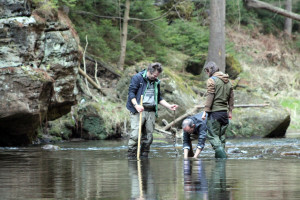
(140, 131)
(140, 178)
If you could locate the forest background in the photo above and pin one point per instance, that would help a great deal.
(177, 35)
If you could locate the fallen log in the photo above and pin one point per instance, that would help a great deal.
(102, 64)
(296, 153)
(269, 7)
(167, 133)
(167, 127)
(91, 81)
(164, 132)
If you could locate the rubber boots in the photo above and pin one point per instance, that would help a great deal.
(220, 152)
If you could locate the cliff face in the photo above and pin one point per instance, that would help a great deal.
(39, 56)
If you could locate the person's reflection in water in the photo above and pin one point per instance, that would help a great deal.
(142, 184)
(195, 184)
(217, 183)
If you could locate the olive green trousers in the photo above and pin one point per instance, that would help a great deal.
(148, 124)
(216, 133)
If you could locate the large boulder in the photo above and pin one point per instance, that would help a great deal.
(99, 120)
(42, 40)
(268, 121)
(24, 98)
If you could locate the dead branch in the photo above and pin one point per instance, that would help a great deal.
(91, 81)
(84, 65)
(194, 110)
(96, 71)
(269, 7)
(102, 64)
(167, 133)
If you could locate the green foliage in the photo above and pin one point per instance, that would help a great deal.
(145, 39)
(102, 37)
(56, 3)
(267, 21)
(188, 29)
(237, 13)
(188, 37)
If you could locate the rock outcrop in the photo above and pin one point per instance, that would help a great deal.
(39, 56)
(271, 121)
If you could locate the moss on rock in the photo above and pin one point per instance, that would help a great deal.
(233, 66)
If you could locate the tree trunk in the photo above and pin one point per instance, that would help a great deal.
(269, 7)
(288, 21)
(216, 49)
(124, 35)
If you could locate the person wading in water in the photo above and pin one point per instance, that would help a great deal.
(144, 83)
(219, 106)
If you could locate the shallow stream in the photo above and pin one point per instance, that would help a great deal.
(255, 169)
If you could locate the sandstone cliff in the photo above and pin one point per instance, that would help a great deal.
(39, 56)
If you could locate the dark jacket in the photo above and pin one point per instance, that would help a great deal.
(200, 130)
(138, 84)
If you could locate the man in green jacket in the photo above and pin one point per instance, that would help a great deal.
(219, 106)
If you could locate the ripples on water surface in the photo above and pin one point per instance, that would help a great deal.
(100, 170)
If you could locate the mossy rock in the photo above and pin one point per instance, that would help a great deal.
(175, 90)
(100, 120)
(269, 121)
(62, 127)
(233, 67)
(93, 128)
(196, 63)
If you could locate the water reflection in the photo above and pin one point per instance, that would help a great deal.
(217, 186)
(196, 184)
(100, 170)
(142, 183)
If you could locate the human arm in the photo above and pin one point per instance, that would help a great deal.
(202, 129)
(167, 105)
(230, 103)
(186, 144)
(185, 153)
(210, 94)
(134, 86)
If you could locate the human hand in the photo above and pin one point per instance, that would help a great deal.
(230, 115)
(173, 107)
(203, 115)
(139, 108)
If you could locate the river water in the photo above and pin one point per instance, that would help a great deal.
(255, 169)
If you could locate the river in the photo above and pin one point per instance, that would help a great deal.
(255, 169)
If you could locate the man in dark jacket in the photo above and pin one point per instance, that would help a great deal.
(219, 106)
(193, 125)
(144, 83)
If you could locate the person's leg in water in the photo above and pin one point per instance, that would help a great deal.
(147, 137)
(213, 135)
(133, 140)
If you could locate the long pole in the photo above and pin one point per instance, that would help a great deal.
(140, 131)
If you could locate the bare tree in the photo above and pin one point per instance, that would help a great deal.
(124, 35)
(288, 21)
(216, 48)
